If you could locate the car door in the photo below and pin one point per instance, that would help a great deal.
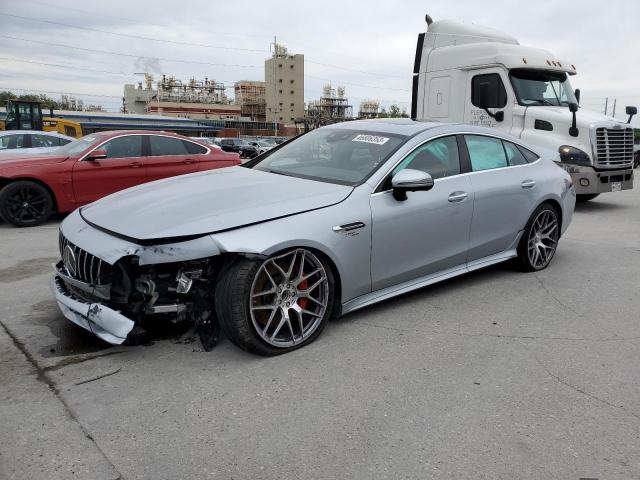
(429, 231)
(123, 168)
(168, 157)
(505, 187)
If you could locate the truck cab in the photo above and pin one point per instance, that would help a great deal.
(481, 76)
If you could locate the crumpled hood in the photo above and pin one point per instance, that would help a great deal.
(208, 202)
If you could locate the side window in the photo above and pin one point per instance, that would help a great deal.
(63, 141)
(167, 146)
(194, 149)
(44, 141)
(485, 153)
(439, 158)
(491, 87)
(528, 154)
(123, 147)
(514, 155)
(8, 142)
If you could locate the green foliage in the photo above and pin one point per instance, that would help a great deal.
(44, 100)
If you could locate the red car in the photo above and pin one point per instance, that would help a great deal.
(33, 187)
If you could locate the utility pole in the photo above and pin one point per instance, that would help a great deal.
(606, 104)
(615, 100)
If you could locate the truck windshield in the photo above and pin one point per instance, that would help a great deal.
(539, 87)
(341, 156)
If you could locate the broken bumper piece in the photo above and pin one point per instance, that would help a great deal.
(106, 323)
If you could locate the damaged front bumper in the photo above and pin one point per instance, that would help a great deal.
(104, 322)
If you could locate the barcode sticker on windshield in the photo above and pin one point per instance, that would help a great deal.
(371, 139)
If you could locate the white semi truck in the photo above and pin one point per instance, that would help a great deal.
(481, 76)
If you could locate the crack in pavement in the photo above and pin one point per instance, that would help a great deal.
(496, 335)
(44, 378)
(98, 377)
(78, 359)
(580, 390)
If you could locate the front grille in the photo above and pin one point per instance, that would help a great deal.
(614, 147)
(83, 266)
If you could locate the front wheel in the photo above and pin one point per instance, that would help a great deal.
(25, 203)
(275, 305)
(585, 197)
(540, 239)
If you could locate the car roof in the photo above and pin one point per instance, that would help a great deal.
(114, 133)
(400, 126)
(37, 132)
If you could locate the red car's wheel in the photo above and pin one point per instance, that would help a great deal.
(25, 204)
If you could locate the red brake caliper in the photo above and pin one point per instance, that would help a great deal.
(302, 302)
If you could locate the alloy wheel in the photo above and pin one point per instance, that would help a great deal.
(27, 205)
(289, 298)
(543, 239)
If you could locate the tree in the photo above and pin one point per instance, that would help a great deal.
(383, 113)
(46, 102)
(394, 111)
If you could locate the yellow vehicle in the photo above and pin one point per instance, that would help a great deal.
(70, 128)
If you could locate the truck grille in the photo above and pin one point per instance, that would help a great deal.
(614, 147)
(83, 266)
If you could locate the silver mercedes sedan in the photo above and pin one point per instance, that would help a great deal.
(332, 221)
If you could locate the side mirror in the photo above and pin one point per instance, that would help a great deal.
(577, 94)
(97, 154)
(482, 101)
(573, 130)
(409, 180)
(631, 111)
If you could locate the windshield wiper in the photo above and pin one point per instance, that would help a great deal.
(541, 101)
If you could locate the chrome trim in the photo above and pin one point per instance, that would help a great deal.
(99, 291)
(148, 135)
(348, 227)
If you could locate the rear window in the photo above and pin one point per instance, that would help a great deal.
(194, 148)
(167, 146)
(528, 154)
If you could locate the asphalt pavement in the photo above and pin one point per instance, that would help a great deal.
(495, 375)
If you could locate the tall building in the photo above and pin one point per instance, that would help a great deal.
(250, 95)
(284, 78)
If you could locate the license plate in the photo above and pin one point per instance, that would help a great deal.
(616, 186)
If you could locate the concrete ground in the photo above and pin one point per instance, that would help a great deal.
(496, 375)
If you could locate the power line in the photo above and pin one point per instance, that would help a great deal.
(175, 42)
(359, 84)
(130, 55)
(128, 20)
(357, 71)
(60, 93)
(137, 37)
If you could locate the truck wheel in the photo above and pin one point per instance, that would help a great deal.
(585, 197)
(275, 305)
(25, 203)
(540, 239)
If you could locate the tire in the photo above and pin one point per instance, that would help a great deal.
(585, 197)
(252, 316)
(25, 203)
(541, 235)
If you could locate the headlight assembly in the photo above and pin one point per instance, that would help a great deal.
(573, 156)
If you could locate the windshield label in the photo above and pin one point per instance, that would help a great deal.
(371, 139)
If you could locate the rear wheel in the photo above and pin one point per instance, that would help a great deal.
(540, 239)
(275, 305)
(25, 203)
(585, 197)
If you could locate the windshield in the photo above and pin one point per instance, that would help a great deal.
(332, 155)
(265, 144)
(538, 87)
(77, 146)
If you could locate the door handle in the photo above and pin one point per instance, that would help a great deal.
(135, 164)
(528, 184)
(457, 196)
(188, 161)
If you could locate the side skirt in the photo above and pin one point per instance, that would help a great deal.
(395, 290)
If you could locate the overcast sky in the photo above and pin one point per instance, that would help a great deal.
(373, 43)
